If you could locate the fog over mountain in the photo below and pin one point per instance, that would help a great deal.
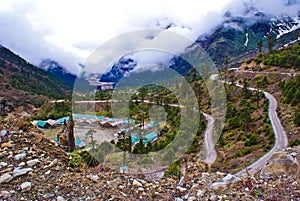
(68, 32)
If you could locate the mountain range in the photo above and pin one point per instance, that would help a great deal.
(235, 38)
(59, 71)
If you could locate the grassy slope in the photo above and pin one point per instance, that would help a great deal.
(23, 84)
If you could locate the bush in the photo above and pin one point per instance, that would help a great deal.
(23, 125)
(75, 160)
(88, 159)
(253, 139)
(295, 142)
(248, 61)
(173, 170)
(243, 152)
(297, 118)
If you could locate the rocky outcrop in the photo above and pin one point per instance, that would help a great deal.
(5, 107)
(37, 170)
(284, 163)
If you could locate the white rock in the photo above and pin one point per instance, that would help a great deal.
(195, 186)
(18, 171)
(26, 186)
(221, 173)
(48, 172)
(213, 198)
(60, 198)
(20, 156)
(230, 179)
(3, 133)
(181, 189)
(93, 177)
(3, 164)
(142, 181)
(294, 154)
(5, 178)
(136, 183)
(33, 162)
(205, 174)
(21, 164)
(140, 189)
(54, 162)
(192, 198)
(200, 193)
(178, 199)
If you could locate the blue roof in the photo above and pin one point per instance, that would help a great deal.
(78, 142)
(41, 123)
(78, 116)
(135, 138)
(150, 137)
(56, 138)
(128, 121)
(61, 120)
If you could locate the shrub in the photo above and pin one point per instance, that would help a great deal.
(243, 152)
(253, 139)
(23, 125)
(88, 159)
(297, 118)
(173, 170)
(75, 160)
(248, 61)
(295, 142)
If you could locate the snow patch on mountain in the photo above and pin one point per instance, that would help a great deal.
(247, 40)
(295, 26)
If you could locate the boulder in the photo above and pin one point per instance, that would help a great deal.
(3, 164)
(19, 171)
(60, 198)
(26, 186)
(20, 156)
(281, 163)
(33, 162)
(6, 144)
(136, 183)
(5, 178)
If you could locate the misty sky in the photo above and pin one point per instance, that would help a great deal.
(69, 31)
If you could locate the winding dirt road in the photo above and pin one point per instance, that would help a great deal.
(281, 140)
(209, 143)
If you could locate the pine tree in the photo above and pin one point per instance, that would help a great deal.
(271, 42)
(259, 45)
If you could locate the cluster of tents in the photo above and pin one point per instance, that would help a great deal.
(82, 119)
(103, 122)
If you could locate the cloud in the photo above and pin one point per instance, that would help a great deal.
(17, 34)
(277, 7)
(69, 32)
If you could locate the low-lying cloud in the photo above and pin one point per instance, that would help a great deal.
(68, 32)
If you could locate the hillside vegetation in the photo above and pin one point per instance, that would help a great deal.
(17, 73)
(286, 57)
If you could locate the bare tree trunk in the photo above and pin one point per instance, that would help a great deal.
(71, 138)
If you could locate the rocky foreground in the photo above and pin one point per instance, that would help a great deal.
(34, 168)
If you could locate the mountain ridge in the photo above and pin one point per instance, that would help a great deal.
(22, 82)
(237, 38)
